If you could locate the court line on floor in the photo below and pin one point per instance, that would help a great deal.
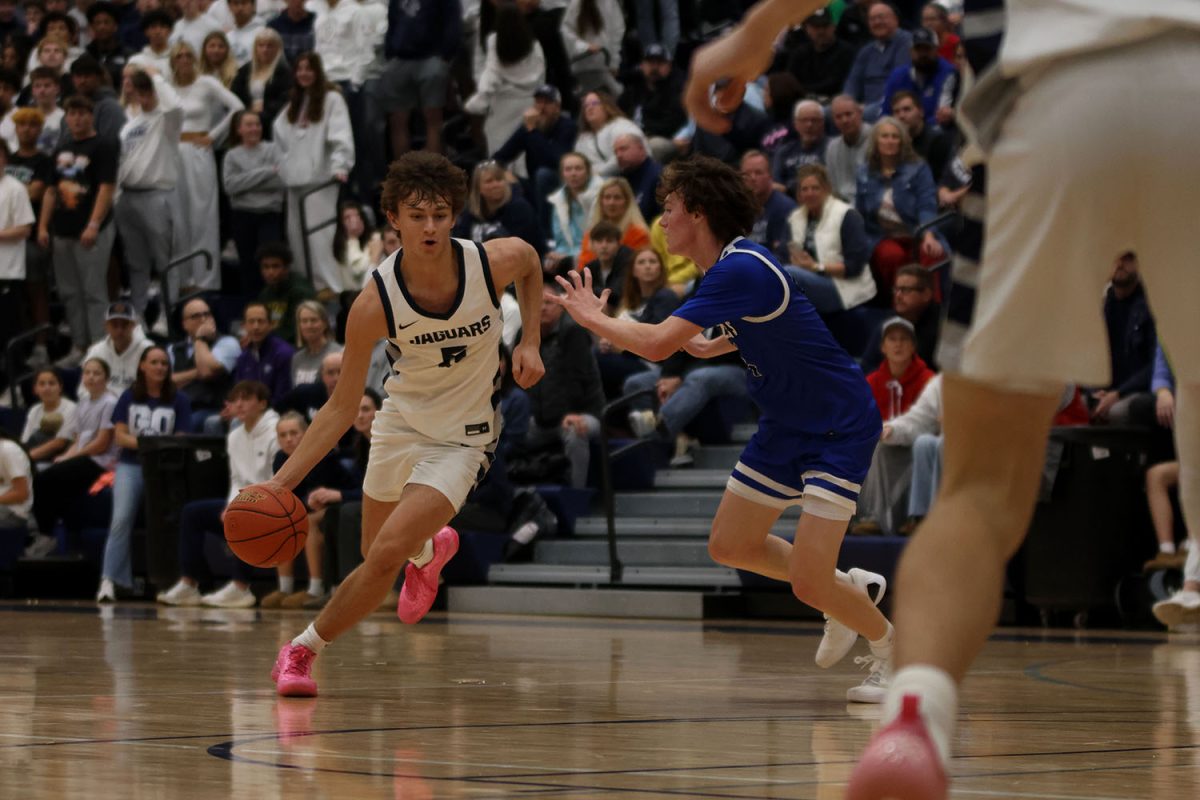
(1036, 672)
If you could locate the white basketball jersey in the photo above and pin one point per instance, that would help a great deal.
(445, 367)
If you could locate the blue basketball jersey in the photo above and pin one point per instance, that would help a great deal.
(799, 377)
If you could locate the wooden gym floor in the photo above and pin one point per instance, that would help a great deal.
(135, 701)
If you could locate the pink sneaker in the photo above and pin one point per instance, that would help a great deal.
(900, 762)
(421, 583)
(292, 672)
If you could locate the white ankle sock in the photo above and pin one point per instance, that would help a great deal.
(883, 645)
(310, 639)
(1167, 547)
(425, 556)
(316, 587)
(938, 702)
(287, 585)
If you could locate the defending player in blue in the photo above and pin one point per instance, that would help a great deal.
(818, 425)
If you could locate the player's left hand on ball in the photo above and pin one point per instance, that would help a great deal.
(527, 368)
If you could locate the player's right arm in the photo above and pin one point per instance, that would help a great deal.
(365, 326)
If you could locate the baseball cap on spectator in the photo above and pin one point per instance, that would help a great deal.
(547, 91)
(120, 310)
(923, 37)
(655, 52)
(821, 18)
(899, 322)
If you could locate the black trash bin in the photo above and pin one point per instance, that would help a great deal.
(177, 470)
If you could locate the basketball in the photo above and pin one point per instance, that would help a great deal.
(265, 526)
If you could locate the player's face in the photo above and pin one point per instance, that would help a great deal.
(424, 226)
(289, 435)
(613, 204)
(679, 225)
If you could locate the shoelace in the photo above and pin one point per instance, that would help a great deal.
(877, 667)
(298, 659)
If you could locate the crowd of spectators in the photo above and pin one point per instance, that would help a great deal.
(250, 137)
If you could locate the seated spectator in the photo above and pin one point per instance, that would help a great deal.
(544, 135)
(265, 356)
(611, 264)
(652, 99)
(308, 398)
(646, 298)
(201, 364)
(770, 228)
(912, 299)
(251, 447)
(355, 247)
(929, 142)
(889, 49)
(640, 170)
(571, 206)
(780, 95)
(933, 79)
(846, 153)
(47, 419)
(251, 179)
(263, 83)
(106, 46)
(615, 205)
(901, 377)
(314, 341)
(826, 246)
(16, 485)
(493, 211)
(822, 63)
(807, 146)
(601, 124)
(936, 18)
(1132, 341)
(1161, 478)
(122, 347)
(91, 453)
(149, 408)
(592, 33)
(283, 290)
(156, 27)
(895, 195)
(216, 59)
(242, 35)
(567, 403)
(513, 69)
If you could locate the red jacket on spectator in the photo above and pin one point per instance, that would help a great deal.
(894, 397)
(1074, 413)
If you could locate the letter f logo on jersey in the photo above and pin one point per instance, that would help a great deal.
(452, 355)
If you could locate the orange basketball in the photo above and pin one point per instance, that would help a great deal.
(266, 526)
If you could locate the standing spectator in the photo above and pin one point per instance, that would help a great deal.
(666, 33)
(244, 32)
(106, 46)
(543, 137)
(208, 108)
(929, 142)
(846, 153)
(891, 48)
(85, 177)
(35, 170)
(42, 437)
(156, 27)
(640, 170)
(571, 206)
(53, 53)
(823, 63)
(770, 227)
(602, 122)
(936, 18)
(806, 147)
(493, 211)
(283, 289)
(265, 357)
(932, 78)
(193, 25)
(202, 362)
(149, 408)
(317, 145)
(122, 346)
(652, 100)
(826, 246)
(45, 89)
(314, 341)
(264, 83)
(1132, 337)
(295, 26)
(149, 173)
(251, 177)
(615, 204)
(592, 31)
(16, 221)
(423, 37)
(513, 69)
(108, 117)
(216, 59)
(912, 299)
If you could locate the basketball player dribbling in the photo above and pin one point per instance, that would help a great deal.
(819, 423)
(436, 301)
(1087, 107)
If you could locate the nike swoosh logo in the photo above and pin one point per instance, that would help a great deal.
(409, 325)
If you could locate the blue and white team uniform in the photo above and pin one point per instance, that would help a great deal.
(818, 425)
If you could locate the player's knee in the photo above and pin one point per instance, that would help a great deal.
(723, 549)
(386, 556)
(810, 589)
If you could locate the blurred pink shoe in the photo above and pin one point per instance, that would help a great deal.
(900, 762)
(292, 672)
(421, 583)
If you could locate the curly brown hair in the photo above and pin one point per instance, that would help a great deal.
(714, 189)
(423, 176)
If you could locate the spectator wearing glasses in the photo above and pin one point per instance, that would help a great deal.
(913, 300)
(202, 363)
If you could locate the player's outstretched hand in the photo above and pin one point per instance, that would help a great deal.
(580, 301)
(527, 367)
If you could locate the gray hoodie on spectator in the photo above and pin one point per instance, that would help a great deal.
(251, 178)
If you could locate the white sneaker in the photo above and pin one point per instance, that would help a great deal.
(181, 594)
(642, 423)
(41, 546)
(839, 639)
(229, 596)
(38, 357)
(107, 592)
(874, 688)
(1181, 608)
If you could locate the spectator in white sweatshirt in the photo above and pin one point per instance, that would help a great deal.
(592, 31)
(317, 144)
(122, 347)
(147, 207)
(251, 447)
